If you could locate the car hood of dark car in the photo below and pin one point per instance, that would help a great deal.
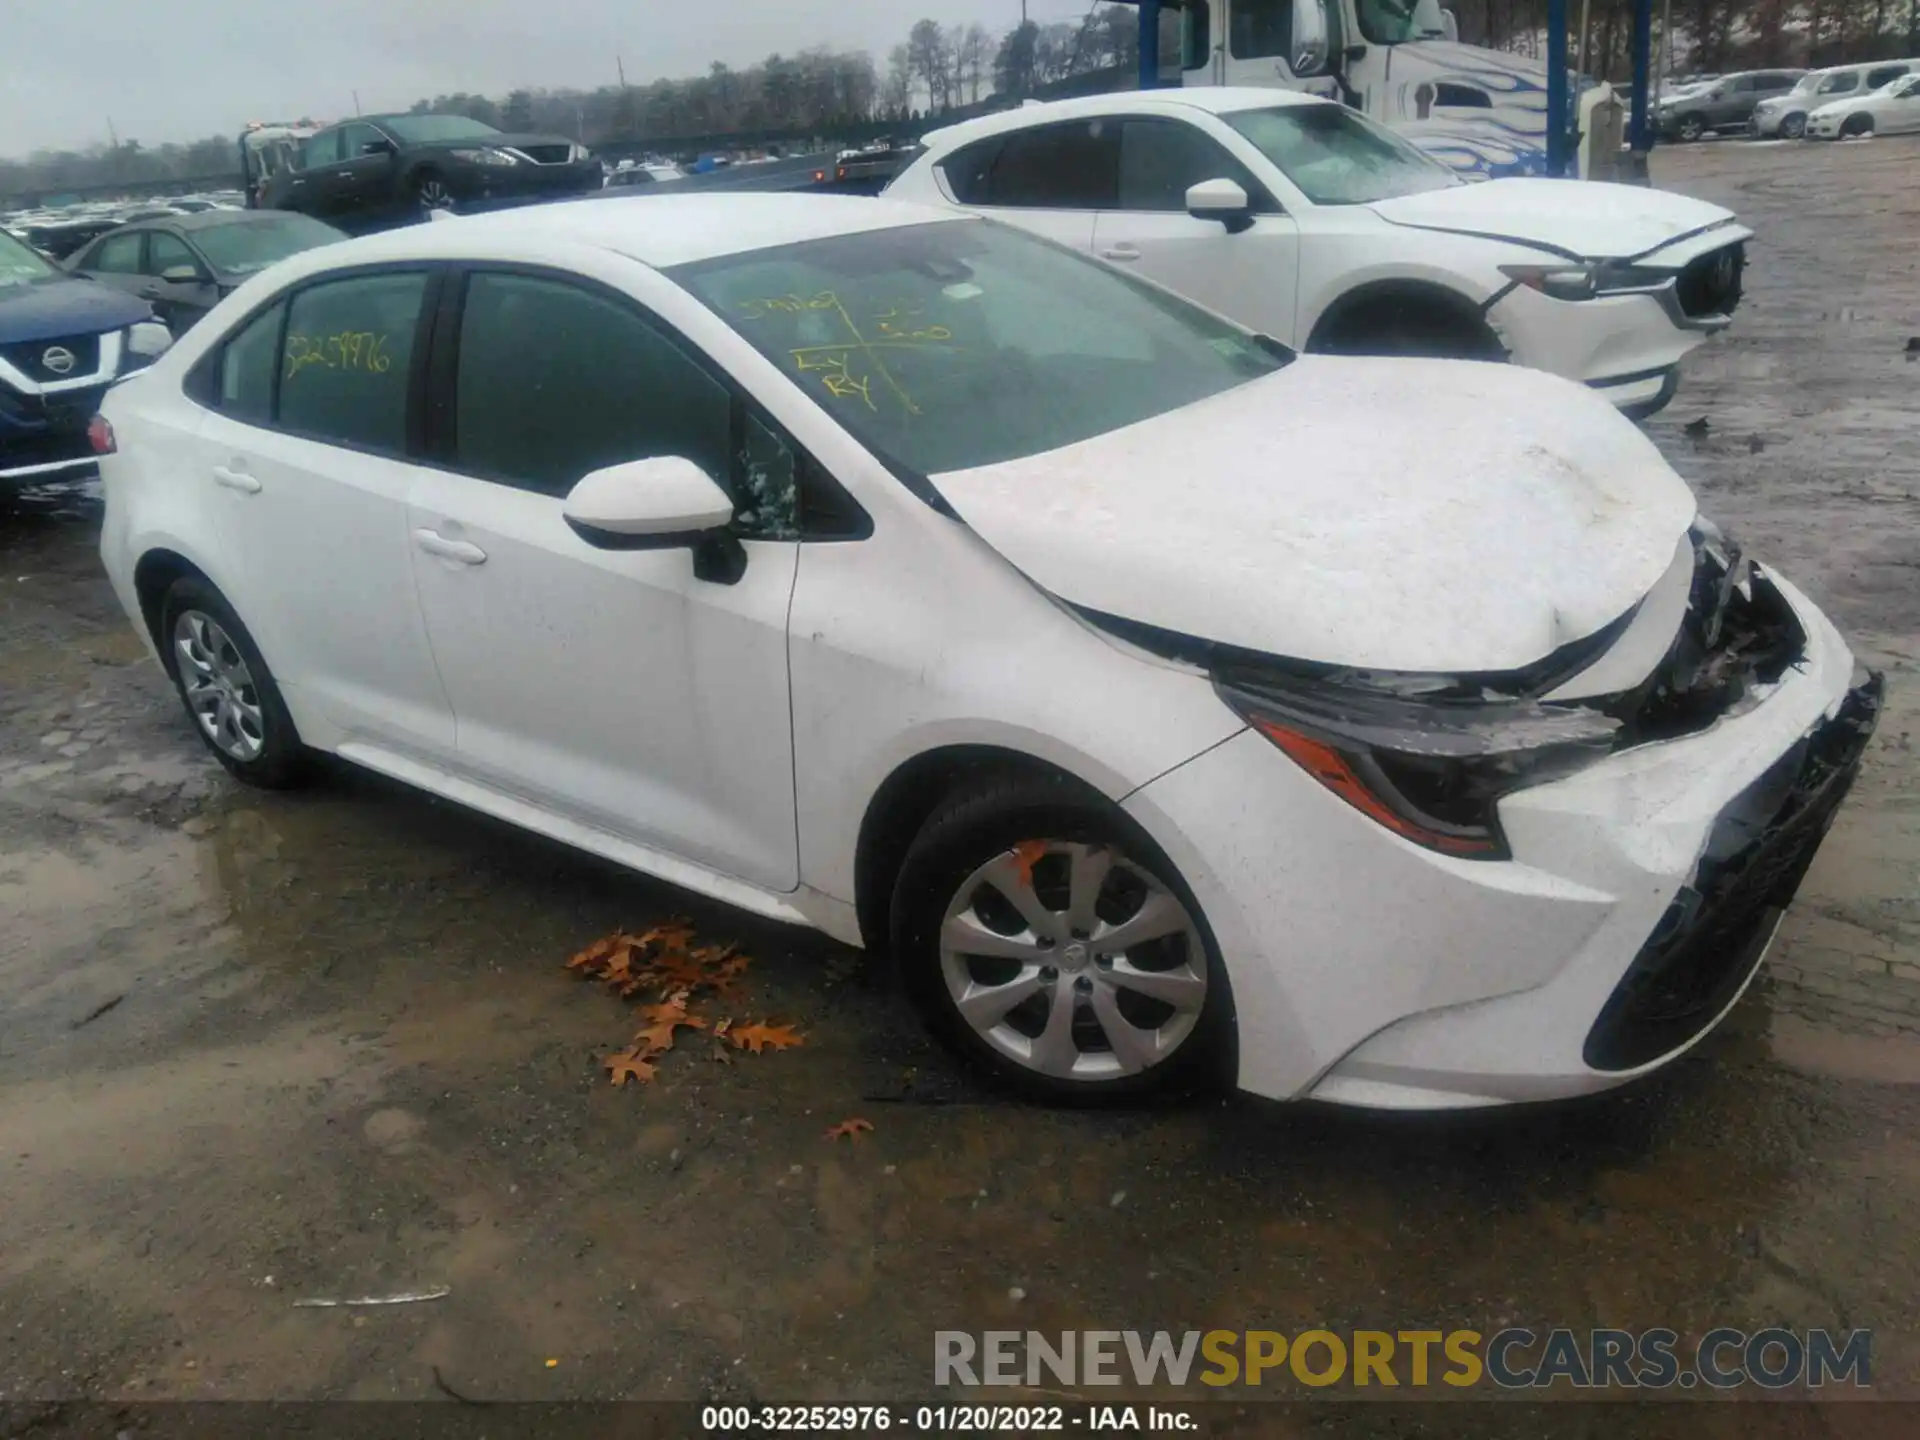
(69, 305)
(1389, 514)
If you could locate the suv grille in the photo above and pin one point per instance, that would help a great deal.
(1713, 935)
(1710, 283)
(30, 357)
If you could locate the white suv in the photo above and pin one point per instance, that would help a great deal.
(1309, 222)
(1787, 115)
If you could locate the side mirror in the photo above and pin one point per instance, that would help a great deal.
(662, 504)
(182, 275)
(1310, 31)
(1222, 200)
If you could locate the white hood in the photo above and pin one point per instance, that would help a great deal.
(1383, 514)
(1587, 219)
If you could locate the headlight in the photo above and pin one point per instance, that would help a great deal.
(1427, 756)
(1562, 282)
(490, 155)
(145, 342)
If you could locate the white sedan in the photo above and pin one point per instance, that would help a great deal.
(1305, 220)
(1891, 110)
(1170, 706)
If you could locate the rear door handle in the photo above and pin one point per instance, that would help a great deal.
(1120, 252)
(434, 543)
(236, 480)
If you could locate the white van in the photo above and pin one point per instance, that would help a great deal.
(1786, 115)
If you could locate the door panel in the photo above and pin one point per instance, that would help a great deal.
(320, 538)
(317, 529)
(1251, 277)
(613, 686)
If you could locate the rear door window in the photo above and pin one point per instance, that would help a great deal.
(345, 365)
(1073, 166)
(118, 254)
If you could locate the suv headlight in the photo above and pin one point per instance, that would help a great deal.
(145, 341)
(488, 155)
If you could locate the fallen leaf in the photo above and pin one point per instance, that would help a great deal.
(595, 954)
(849, 1129)
(764, 1036)
(1025, 855)
(672, 1010)
(628, 1064)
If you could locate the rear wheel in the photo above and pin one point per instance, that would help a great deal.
(1793, 127)
(1045, 939)
(229, 693)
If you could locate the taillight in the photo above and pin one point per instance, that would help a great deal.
(100, 436)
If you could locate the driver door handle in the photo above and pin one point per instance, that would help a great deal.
(434, 543)
(236, 480)
(1120, 252)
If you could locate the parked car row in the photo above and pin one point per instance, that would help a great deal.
(1836, 102)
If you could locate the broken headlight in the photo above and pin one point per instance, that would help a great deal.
(1427, 756)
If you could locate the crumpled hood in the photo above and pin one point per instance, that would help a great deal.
(56, 309)
(1584, 219)
(1384, 514)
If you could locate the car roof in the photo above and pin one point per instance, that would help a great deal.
(1865, 65)
(660, 230)
(1207, 99)
(214, 219)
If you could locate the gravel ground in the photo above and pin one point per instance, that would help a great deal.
(257, 1048)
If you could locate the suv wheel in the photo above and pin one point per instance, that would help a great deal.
(1044, 938)
(430, 192)
(1692, 127)
(1793, 127)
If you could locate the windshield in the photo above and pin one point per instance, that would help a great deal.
(253, 244)
(1337, 156)
(21, 263)
(425, 129)
(1394, 22)
(954, 344)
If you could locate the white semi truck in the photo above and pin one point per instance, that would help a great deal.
(1482, 111)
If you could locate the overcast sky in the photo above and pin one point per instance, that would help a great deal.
(183, 69)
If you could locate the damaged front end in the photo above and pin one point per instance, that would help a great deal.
(1431, 756)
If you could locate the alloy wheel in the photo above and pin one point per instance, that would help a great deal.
(434, 194)
(219, 688)
(1073, 960)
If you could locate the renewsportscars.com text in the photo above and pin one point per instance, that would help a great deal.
(1513, 1358)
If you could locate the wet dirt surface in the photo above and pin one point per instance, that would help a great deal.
(256, 1048)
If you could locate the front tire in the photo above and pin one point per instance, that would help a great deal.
(1856, 126)
(1793, 127)
(1692, 127)
(431, 192)
(1044, 938)
(226, 687)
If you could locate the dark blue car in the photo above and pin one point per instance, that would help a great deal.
(62, 342)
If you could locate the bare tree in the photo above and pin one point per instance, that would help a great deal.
(973, 59)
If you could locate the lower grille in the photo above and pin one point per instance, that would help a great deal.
(546, 154)
(1710, 283)
(72, 356)
(1713, 935)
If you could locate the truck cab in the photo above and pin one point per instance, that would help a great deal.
(1484, 112)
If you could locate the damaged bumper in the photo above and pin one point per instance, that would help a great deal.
(1638, 901)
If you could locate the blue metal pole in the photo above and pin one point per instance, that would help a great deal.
(1149, 44)
(1557, 146)
(1640, 126)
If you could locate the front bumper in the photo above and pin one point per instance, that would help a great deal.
(1766, 123)
(1368, 971)
(44, 437)
(1824, 127)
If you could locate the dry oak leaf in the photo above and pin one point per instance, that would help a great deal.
(1025, 855)
(849, 1129)
(763, 1036)
(626, 1065)
(598, 953)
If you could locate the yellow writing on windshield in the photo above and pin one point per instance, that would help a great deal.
(849, 367)
(359, 350)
